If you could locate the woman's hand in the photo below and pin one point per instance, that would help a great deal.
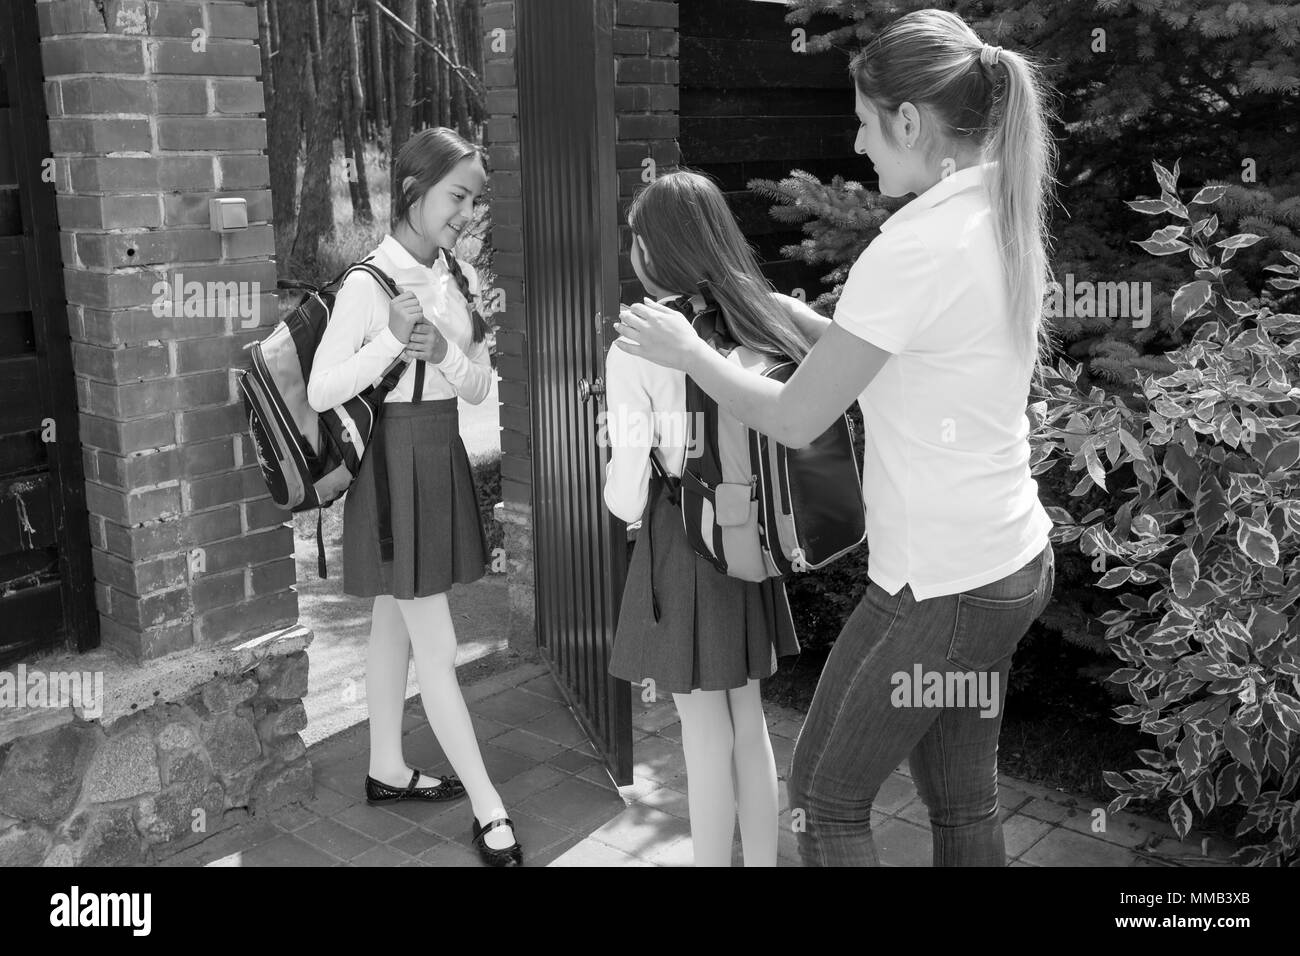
(403, 312)
(658, 334)
(426, 342)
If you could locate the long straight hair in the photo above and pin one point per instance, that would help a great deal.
(932, 58)
(427, 157)
(690, 236)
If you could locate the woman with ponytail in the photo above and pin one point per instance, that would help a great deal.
(937, 335)
(411, 525)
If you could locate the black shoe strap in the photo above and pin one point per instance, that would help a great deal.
(493, 824)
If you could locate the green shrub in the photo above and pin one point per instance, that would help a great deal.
(487, 482)
(1202, 533)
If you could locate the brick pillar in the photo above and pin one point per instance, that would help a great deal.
(646, 98)
(502, 140)
(156, 107)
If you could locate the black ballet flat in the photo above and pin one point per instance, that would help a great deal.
(449, 789)
(506, 856)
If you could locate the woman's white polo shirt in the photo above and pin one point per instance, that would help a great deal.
(950, 502)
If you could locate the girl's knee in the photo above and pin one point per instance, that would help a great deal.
(440, 646)
(748, 720)
(706, 725)
(750, 732)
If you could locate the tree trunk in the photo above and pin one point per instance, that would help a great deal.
(460, 110)
(378, 95)
(358, 190)
(429, 65)
(313, 20)
(445, 77)
(469, 58)
(284, 129)
(390, 81)
(316, 212)
(420, 88)
(404, 78)
(353, 140)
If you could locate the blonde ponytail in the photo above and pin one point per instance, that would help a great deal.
(993, 98)
(1021, 145)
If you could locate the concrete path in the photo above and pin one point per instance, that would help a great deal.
(568, 812)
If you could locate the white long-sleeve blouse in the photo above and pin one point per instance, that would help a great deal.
(647, 409)
(357, 346)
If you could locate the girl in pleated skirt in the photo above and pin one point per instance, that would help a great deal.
(411, 525)
(684, 627)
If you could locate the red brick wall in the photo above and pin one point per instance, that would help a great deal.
(645, 96)
(148, 120)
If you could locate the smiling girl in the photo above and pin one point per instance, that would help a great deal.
(937, 335)
(411, 525)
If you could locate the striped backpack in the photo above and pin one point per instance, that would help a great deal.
(752, 507)
(309, 458)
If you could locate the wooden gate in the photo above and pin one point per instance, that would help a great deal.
(46, 592)
(565, 68)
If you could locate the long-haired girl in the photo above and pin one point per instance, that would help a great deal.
(411, 525)
(937, 334)
(698, 634)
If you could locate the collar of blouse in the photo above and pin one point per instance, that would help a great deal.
(952, 184)
(407, 270)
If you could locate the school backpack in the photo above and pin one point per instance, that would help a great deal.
(309, 458)
(752, 507)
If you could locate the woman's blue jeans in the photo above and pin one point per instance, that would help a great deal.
(925, 680)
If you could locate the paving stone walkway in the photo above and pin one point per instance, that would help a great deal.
(567, 811)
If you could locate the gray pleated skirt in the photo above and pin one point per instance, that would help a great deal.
(714, 632)
(430, 534)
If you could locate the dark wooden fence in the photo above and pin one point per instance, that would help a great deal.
(752, 107)
(46, 597)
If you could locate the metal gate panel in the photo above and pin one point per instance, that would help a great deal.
(570, 227)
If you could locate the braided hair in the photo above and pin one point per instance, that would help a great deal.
(479, 323)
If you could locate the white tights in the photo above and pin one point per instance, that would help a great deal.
(729, 768)
(423, 626)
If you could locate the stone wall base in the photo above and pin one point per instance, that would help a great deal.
(163, 777)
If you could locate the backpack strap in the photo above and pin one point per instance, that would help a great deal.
(417, 392)
(669, 481)
(380, 276)
(389, 381)
(666, 484)
(375, 449)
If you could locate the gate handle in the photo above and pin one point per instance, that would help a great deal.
(587, 389)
